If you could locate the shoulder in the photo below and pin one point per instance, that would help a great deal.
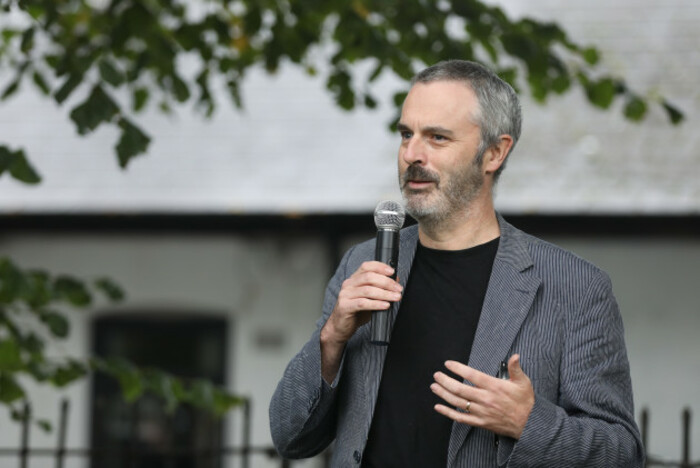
(556, 264)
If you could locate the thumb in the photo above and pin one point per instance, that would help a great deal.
(514, 370)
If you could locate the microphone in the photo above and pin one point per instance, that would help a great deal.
(388, 217)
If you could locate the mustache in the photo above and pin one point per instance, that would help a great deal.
(418, 174)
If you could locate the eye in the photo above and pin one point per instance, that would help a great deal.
(405, 134)
(438, 137)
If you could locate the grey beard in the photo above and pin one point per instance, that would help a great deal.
(450, 201)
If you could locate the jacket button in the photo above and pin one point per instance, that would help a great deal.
(357, 456)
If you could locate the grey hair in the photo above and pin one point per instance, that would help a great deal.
(499, 107)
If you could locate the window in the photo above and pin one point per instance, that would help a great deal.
(143, 434)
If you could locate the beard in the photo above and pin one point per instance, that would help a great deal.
(449, 197)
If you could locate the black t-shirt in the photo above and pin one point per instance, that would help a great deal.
(436, 321)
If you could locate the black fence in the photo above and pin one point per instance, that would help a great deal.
(134, 457)
(244, 453)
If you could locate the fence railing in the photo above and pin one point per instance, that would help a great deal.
(24, 452)
(243, 452)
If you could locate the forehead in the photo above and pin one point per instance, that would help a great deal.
(440, 103)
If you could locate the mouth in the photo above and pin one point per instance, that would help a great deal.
(418, 184)
(417, 179)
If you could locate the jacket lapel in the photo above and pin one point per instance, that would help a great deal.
(509, 296)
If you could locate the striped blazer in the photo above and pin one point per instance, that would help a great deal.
(553, 308)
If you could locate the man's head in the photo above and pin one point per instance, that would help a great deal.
(458, 124)
(499, 110)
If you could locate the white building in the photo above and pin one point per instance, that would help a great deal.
(241, 218)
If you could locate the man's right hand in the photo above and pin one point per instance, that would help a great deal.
(370, 288)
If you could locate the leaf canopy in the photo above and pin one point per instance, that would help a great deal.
(138, 47)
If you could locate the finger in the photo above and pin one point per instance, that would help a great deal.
(451, 398)
(514, 370)
(455, 415)
(474, 376)
(377, 267)
(456, 387)
(367, 298)
(372, 278)
(364, 304)
(375, 293)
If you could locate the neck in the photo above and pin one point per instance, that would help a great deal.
(475, 225)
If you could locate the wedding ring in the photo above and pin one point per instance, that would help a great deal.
(467, 406)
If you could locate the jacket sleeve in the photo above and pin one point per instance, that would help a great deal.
(303, 408)
(592, 424)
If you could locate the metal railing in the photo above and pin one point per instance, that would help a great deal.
(245, 450)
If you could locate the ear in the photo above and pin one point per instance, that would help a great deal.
(496, 155)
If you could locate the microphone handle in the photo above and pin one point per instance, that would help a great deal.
(386, 251)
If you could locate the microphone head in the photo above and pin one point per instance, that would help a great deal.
(389, 215)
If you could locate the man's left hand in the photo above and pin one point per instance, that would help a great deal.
(498, 405)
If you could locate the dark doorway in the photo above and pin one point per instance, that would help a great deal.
(143, 434)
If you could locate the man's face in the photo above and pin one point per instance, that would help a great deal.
(439, 171)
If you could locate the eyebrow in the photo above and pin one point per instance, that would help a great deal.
(429, 129)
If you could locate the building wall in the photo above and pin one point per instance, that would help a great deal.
(293, 150)
(269, 285)
(261, 284)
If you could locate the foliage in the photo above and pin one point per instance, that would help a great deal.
(33, 313)
(98, 51)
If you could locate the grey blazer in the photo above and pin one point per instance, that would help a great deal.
(554, 309)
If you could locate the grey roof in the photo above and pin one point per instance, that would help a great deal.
(292, 151)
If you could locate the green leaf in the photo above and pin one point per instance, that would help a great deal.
(202, 393)
(39, 291)
(57, 323)
(601, 93)
(96, 109)
(674, 114)
(223, 401)
(41, 83)
(131, 384)
(44, 425)
(376, 72)
(110, 289)
(163, 385)
(561, 83)
(206, 100)
(19, 414)
(180, 89)
(139, 99)
(68, 373)
(110, 73)
(399, 98)
(67, 88)
(591, 55)
(12, 282)
(27, 40)
(21, 169)
(10, 356)
(32, 344)
(339, 84)
(71, 291)
(635, 109)
(131, 143)
(7, 34)
(129, 378)
(234, 92)
(10, 390)
(10, 89)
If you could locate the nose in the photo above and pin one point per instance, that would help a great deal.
(413, 152)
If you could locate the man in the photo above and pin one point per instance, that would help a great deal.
(472, 291)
